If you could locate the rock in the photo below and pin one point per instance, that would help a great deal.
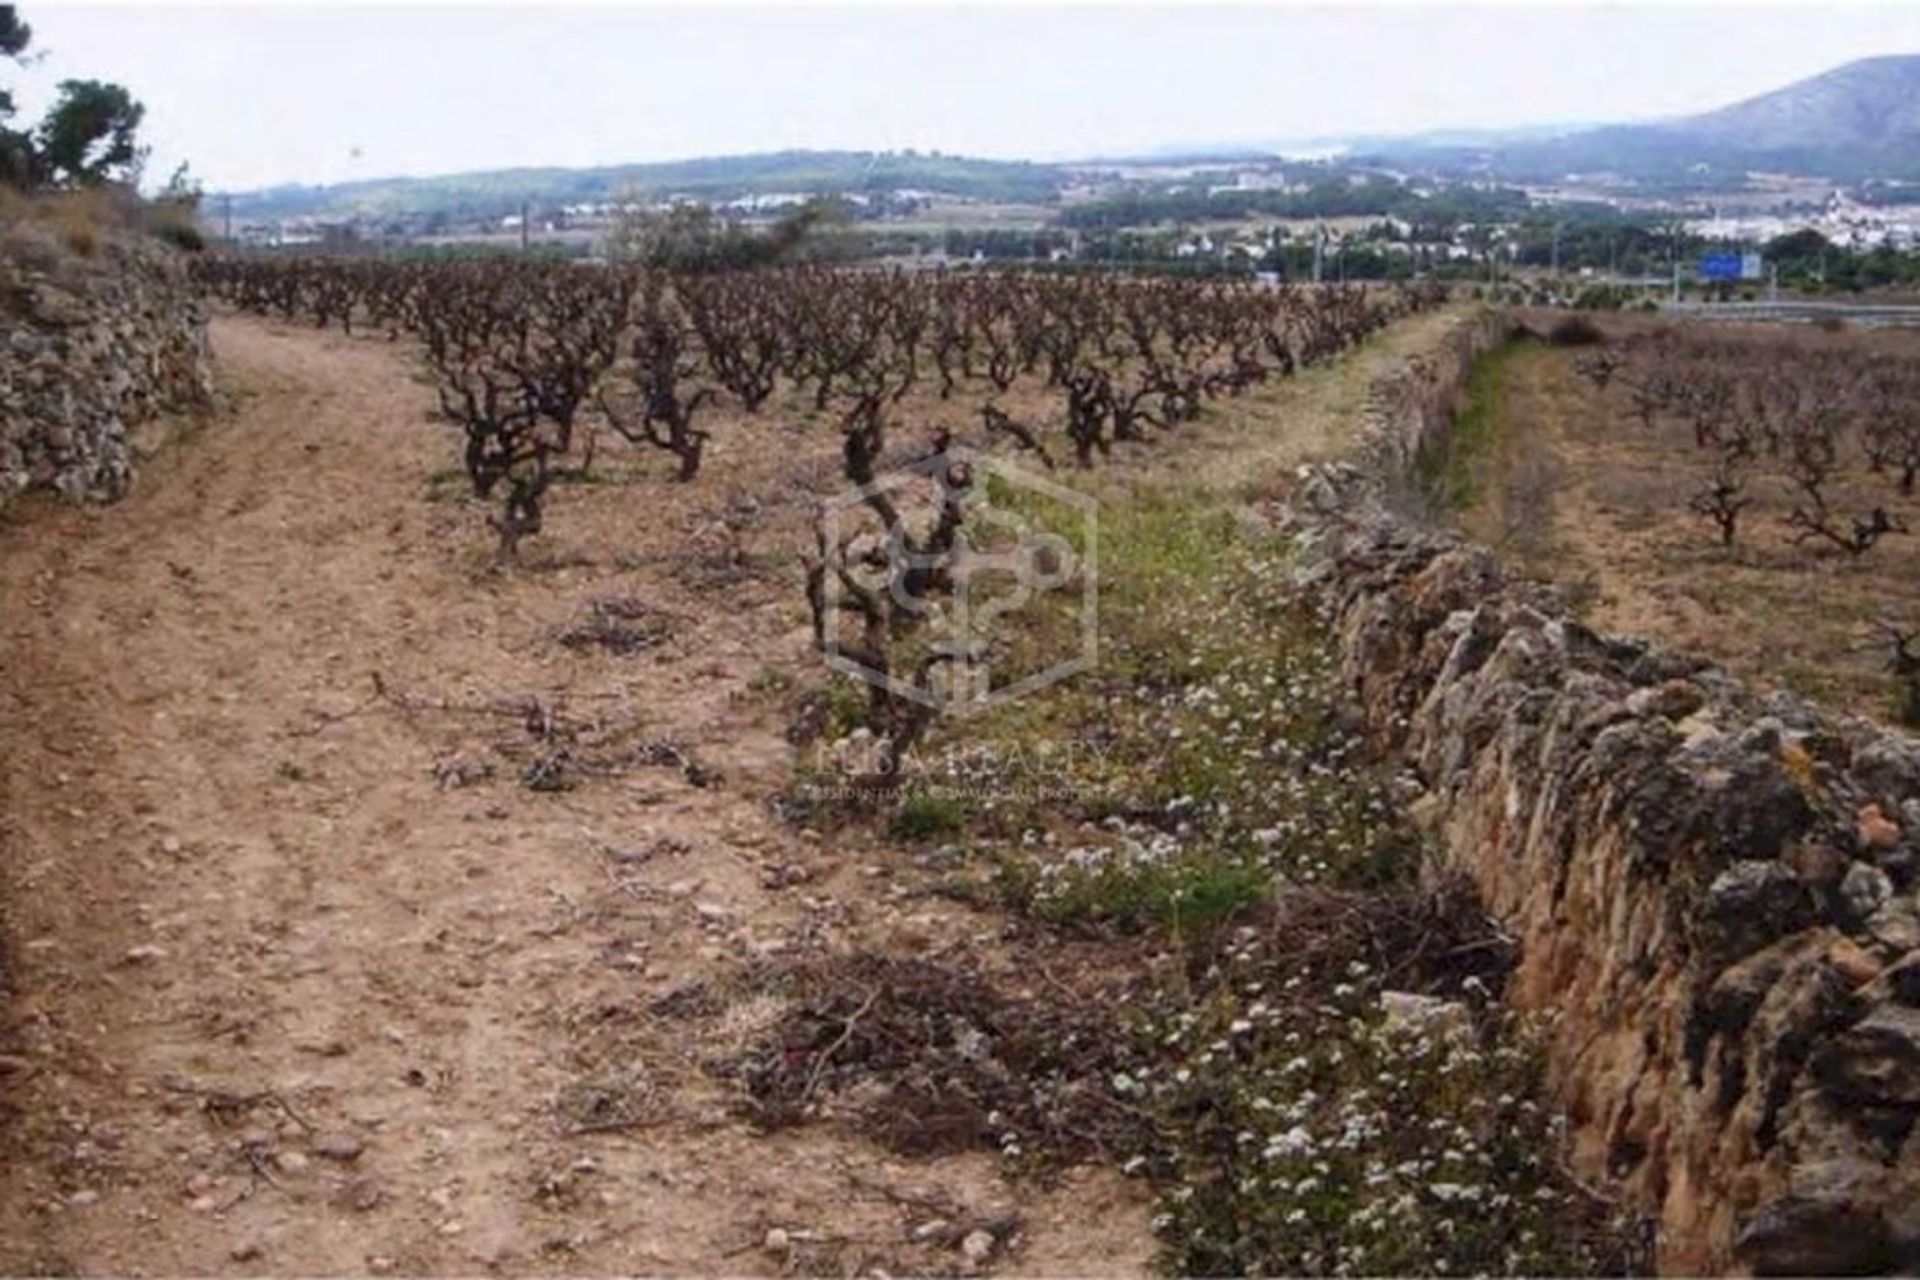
(81, 1199)
(341, 1147)
(1671, 700)
(1896, 925)
(1853, 962)
(1864, 890)
(1819, 865)
(1877, 1060)
(1901, 981)
(361, 1195)
(1829, 1223)
(1757, 900)
(1889, 767)
(777, 1242)
(97, 345)
(245, 1251)
(1876, 830)
(143, 953)
(55, 306)
(977, 1246)
(1760, 809)
(292, 1162)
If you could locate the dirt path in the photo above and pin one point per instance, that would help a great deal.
(298, 987)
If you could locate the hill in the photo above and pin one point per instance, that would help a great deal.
(716, 178)
(1860, 120)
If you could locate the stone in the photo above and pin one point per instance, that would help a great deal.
(1853, 962)
(1864, 890)
(1756, 900)
(1819, 864)
(361, 1195)
(777, 1242)
(1828, 1223)
(1896, 925)
(1889, 768)
(977, 1246)
(97, 346)
(341, 1147)
(1902, 980)
(1876, 830)
(1670, 700)
(1876, 1060)
(54, 306)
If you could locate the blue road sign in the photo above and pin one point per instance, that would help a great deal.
(1720, 266)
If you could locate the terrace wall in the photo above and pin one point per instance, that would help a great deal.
(1714, 891)
(93, 344)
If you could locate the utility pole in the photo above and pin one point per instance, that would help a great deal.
(526, 230)
(226, 210)
(1673, 257)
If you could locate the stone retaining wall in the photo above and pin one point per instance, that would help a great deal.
(92, 345)
(1714, 891)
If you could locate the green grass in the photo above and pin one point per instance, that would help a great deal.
(1455, 475)
(923, 816)
(1202, 763)
(1204, 778)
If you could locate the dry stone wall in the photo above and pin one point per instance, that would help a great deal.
(92, 345)
(1714, 891)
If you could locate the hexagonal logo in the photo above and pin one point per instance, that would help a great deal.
(963, 553)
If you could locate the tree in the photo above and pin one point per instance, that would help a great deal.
(16, 149)
(682, 235)
(88, 135)
(15, 35)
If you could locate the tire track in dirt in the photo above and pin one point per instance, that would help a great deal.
(283, 1002)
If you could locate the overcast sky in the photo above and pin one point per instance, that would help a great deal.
(260, 95)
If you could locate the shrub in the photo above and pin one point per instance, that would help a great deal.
(1575, 331)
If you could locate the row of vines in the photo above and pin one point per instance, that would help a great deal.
(532, 361)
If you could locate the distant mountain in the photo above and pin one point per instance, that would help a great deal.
(714, 179)
(1860, 120)
(1870, 108)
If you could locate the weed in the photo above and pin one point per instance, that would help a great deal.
(924, 815)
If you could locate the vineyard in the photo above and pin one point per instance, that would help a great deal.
(491, 650)
(521, 351)
(571, 801)
(535, 363)
(1750, 493)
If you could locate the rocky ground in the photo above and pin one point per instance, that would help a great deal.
(306, 978)
(373, 909)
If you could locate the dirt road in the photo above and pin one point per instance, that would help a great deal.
(306, 978)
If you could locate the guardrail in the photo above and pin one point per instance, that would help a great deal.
(1871, 315)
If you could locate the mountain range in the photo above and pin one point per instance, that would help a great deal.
(1857, 121)
(1860, 120)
